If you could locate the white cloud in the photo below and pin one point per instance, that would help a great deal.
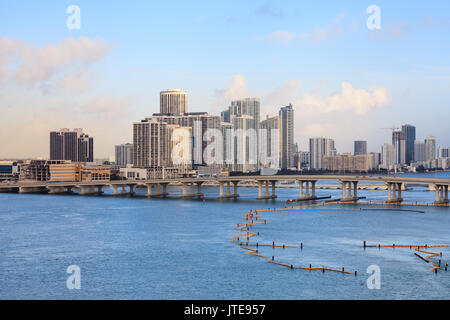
(109, 106)
(28, 65)
(236, 88)
(350, 99)
(282, 36)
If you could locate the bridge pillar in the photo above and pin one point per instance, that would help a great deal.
(221, 190)
(304, 190)
(441, 194)
(131, 186)
(99, 190)
(394, 192)
(115, 187)
(164, 192)
(228, 195)
(124, 190)
(349, 193)
(149, 190)
(274, 195)
(260, 185)
(199, 189)
(235, 189)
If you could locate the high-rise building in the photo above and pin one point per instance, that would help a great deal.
(419, 151)
(430, 148)
(350, 163)
(318, 148)
(444, 152)
(301, 160)
(286, 127)
(410, 137)
(399, 142)
(269, 142)
(124, 154)
(71, 145)
(387, 156)
(150, 144)
(173, 101)
(245, 144)
(360, 148)
(199, 123)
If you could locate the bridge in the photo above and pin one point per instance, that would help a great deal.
(228, 186)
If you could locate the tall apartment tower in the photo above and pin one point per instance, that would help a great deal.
(124, 154)
(270, 141)
(150, 144)
(286, 127)
(410, 137)
(419, 151)
(360, 148)
(245, 144)
(444, 152)
(173, 101)
(387, 156)
(71, 145)
(318, 148)
(430, 148)
(399, 142)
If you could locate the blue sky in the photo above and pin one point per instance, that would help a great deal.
(300, 52)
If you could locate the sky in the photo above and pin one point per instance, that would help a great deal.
(345, 81)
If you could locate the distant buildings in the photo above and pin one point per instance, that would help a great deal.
(430, 148)
(71, 145)
(173, 101)
(419, 151)
(444, 152)
(410, 137)
(286, 127)
(399, 143)
(318, 148)
(349, 163)
(387, 156)
(360, 147)
(9, 170)
(124, 154)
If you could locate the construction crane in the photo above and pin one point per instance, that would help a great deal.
(393, 128)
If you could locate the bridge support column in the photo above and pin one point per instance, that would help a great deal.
(394, 192)
(260, 185)
(441, 194)
(304, 190)
(274, 195)
(235, 189)
(199, 189)
(131, 186)
(99, 190)
(347, 194)
(164, 190)
(149, 190)
(221, 190)
(115, 193)
(228, 195)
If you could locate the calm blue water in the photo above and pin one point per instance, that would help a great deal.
(139, 248)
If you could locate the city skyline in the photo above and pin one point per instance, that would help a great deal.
(320, 58)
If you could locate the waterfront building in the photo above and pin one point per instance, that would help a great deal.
(71, 145)
(349, 163)
(430, 148)
(173, 101)
(318, 148)
(410, 137)
(286, 128)
(387, 156)
(360, 147)
(444, 152)
(301, 160)
(399, 143)
(124, 154)
(419, 151)
(9, 170)
(270, 140)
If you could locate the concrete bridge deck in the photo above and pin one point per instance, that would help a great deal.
(307, 185)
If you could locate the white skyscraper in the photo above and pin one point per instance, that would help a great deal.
(319, 147)
(387, 156)
(430, 148)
